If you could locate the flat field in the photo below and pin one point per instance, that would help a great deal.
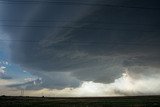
(134, 101)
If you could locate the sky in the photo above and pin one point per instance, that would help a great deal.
(80, 47)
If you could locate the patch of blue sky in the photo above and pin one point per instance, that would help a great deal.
(13, 70)
(3, 56)
(17, 72)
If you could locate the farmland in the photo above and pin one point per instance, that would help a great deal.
(134, 101)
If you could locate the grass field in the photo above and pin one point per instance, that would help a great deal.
(136, 101)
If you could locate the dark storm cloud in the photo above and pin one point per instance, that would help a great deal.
(57, 80)
(93, 42)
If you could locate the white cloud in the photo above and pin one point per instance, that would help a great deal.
(36, 81)
(125, 85)
(24, 71)
(29, 79)
(2, 71)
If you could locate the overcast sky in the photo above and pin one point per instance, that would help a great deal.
(63, 48)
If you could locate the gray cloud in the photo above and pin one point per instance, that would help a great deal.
(48, 80)
(6, 77)
(95, 44)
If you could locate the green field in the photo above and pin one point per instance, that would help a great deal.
(136, 101)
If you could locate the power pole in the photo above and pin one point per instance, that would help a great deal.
(22, 92)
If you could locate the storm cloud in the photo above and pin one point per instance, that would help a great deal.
(90, 40)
